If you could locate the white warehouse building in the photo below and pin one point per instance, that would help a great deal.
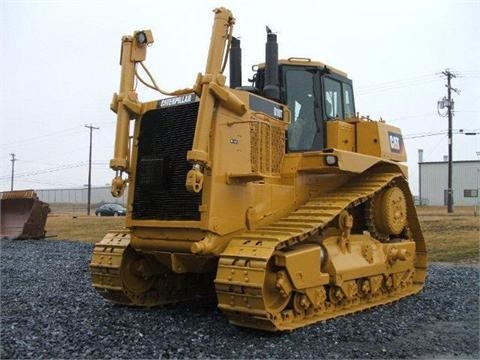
(99, 194)
(433, 182)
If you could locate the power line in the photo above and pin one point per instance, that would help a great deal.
(433, 148)
(34, 178)
(397, 82)
(467, 74)
(442, 132)
(41, 137)
(47, 171)
(424, 115)
(52, 170)
(380, 88)
(408, 82)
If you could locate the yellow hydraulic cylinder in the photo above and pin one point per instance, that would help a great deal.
(127, 78)
(220, 31)
(216, 54)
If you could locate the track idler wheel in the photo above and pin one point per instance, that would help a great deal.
(133, 273)
(387, 213)
(277, 289)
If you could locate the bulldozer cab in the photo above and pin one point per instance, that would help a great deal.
(314, 93)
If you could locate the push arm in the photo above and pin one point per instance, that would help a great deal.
(206, 87)
(134, 49)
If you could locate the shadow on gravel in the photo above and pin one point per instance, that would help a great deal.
(49, 310)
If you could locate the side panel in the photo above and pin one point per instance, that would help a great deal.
(381, 140)
(341, 135)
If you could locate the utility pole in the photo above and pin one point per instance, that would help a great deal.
(420, 161)
(90, 166)
(13, 159)
(449, 104)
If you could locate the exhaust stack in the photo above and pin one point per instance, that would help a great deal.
(271, 89)
(235, 63)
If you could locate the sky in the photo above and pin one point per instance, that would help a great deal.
(59, 69)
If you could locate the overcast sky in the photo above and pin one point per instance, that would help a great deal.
(59, 69)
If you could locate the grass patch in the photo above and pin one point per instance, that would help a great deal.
(449, 237)
(83, 228)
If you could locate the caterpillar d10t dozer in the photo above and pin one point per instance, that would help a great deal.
(23, 215)
(276, 196)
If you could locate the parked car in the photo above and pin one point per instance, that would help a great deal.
(110, 210)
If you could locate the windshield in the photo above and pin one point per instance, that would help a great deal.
(333, 99)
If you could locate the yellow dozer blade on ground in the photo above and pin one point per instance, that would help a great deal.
(23, 215)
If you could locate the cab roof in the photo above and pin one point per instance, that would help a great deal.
(299, 61)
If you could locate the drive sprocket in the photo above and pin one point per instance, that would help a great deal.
(386, 213)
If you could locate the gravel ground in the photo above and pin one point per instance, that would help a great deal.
(49, 310)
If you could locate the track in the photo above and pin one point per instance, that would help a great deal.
(113, 275)
(105, 267)
(244, 278)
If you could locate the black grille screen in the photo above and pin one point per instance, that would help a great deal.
(165, 137)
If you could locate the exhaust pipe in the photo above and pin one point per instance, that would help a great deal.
(235, 63)
(271, 89)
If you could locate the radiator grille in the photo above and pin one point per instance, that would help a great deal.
(267, 147)
(165, 137)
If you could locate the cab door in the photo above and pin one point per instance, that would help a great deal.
(301, 93)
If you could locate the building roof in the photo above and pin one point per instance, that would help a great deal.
(446, 162)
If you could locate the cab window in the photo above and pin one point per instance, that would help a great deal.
(300, 96)
(333, 99)
(348, 100)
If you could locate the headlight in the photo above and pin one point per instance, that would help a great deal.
(141, 37)
(331, 160)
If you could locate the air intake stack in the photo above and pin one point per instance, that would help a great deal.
(235, 64)
(271, 89)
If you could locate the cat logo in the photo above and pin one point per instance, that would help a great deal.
(396, 142)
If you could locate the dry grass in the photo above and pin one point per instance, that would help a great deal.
(450, 237)
(82, 227)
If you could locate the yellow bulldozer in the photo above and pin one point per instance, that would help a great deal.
(277, 196)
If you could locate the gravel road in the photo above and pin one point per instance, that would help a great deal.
(49, 310)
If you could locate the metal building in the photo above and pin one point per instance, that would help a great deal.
(79, 196)
(433, 180)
